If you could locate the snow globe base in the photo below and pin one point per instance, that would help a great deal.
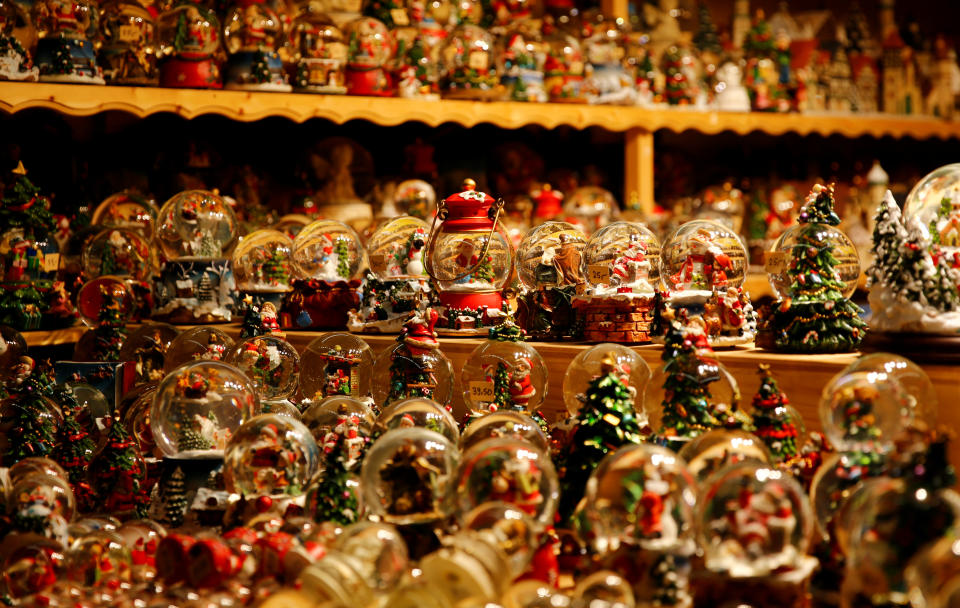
(319, 304)
(548, 314)
(375, 81)
(195, 291)
(82, 68)
(181, 480)
(469, 313)
(386, 304)
(242, 68)
(201, 73)
(658, 577)
(789, 589)
(32, 305)
(623, 318)
(728, 318)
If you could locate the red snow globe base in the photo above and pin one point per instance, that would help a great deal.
(375, 82)
(190, 74)
(315, 304)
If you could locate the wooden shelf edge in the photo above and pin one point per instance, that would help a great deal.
(245, 106)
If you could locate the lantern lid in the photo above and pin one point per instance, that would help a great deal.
(470, 194)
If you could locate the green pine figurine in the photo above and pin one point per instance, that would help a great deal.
(24, 207)
(110, 331)
(774, 423)
(32, 430)
(73, 452)
(815, 317)
(117, 473)
(333, 499)
(687, 410)
(175, 499)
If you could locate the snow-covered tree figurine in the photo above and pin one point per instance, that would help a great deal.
(605, 422)
(913, 285)
(772, 420)
(117, 473)
(815, 317)
(175, 499)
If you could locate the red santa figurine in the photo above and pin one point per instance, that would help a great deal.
(521, 387)
(706, 265)
(419, 334)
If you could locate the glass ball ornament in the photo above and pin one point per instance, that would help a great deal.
(843, 249)
(504, 375)
(198, 407)
(418, 412)
(328, 250)
(550, 255)
(926, 202)
(147, 346)
(409, 476)
(498, 425)
(863, 411)
(395, 250)
(197, 344)
(640, 495)
(270, 455)
(916, 384)
(262, 262)
(42, 495)
(336, 364)
(511, 471)
(379, 548)
(695, 242)
(118, 252)
(753, 520)
(272, 364)
(588, 365)
(127, 210)
(622, 255)
(196, 225)
(98, 559)
(35, 464)
(13, 346)
(604, 588)
(92, 296)
(720, 448)
(323, 417)
(590, 207)
(371, 43)
(415, 197)
(398, 375)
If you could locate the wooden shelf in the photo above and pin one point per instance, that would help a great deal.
(86, 100)
(54, 337)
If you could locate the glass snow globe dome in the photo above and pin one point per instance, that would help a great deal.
(262, 261)
(824, 235)
(399, 374)
(935, 199)
(195, 18)
(720, 448)
(588, 365)
(251, 26)
(272, 364)
(504, 375)
(198, 407)
(864, 411)
(395, 250)
(270, 455)
(537, 263)
(328, 250)
(590, 207)
(370, 42)
(336, 364)
(118, 252)
(418, 412)
(702, 238)
(916, 384)
(197, 344)
(504, 424)
(636, 245)
(196, 225)
(415, 197)
(127, 210)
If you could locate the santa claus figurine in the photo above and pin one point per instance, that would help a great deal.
(731, 316)
(521, 387)
(706, 265)
(418, 333)
(268, 319)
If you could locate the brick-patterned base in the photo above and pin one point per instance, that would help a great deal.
(615, 319)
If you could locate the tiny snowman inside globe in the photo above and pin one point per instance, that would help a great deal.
(198, 407)
(504, 375)
(270, 455)
(328, 250)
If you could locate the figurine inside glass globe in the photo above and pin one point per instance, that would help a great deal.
(418, 412)
(916, 384)
(935, 202)
(196, 225)
(590, 208)
(338, 419)
(864, 411)
(588, 365)
(504, 375)
(720, 448)
(395, 250)
(198, 407)
(98, 559)
(321, 50)
(147, 347)
(31, 465)
(550, 255)
(622, 258)
(380, 548)
(272, 364)
(252, 31)
(703, 256)
(512, 471)
(847, 260)
(261, 262)
(371, 42)
(127, 210)
(506, 527)
(401, 372)
(468, 62)
(39, 488)
(328, 250)
(336, 364)
(503, 424)
(416, 198)
(641, 495)
(270, 455)
(409, 476)
(197, 344)
(118, 252)
(96, 294)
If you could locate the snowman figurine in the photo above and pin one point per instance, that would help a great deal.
(732, 96)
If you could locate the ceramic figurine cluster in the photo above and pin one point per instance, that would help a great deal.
(478, 50)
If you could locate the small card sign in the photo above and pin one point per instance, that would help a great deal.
(479, 60)
(51, 262)
(399, 16)
(776, 262)
(378, 263)
(481, 391)
(598, 273)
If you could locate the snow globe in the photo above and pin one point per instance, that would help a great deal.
(128, 39)
(843, 250)
(262, 265)
(16, 63)
(197, 408)
(506, 527)
(43, 504)
(471, 259)
(588, 365)
(415, 197)
(521, 54)
(622, 266)
(380, 548)
(147, 347)
(272, 365)
(195, 231)
(704, 267)
(607, 79)
(863, 411)
(99, 559)
(604, 588)
(328, 261)
(199, 343)
(118, 252)
(336, 364)
(321, 51)
(371, 49)
(337, 419)
(409, 479)
(110, 300)
(142, 537)
(270, 455)
(934, 202)
(468, 65)
(189, 34)
(502, 424)
(755, 524)
(396, 284)
(503, 373)
(418, 412)
(414, 366)
(509, 470)
(417, 69)
(590, 208)
(720, 448)
(252, 32)
(916, 384)
(65, 52)
(549, 266)
(564, 65)
(127, 210)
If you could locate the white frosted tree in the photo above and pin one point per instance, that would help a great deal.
(888, 234)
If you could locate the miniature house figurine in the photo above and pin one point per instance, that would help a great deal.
(251, 34)
(321, 51)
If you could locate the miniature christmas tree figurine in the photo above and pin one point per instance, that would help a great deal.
(706, 39)
(686, 394)
(110, 331)
(773, 422)
(333, 499)
(677, 89)
(32, 430)
(24, 207)
(604, 423)
(815, 317)
(117, 473)
(276, 269)
(501, 387)
(73, 452)
(411, 372)
(174, 499)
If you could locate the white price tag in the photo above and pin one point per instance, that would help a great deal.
(598, 273)
(776, 262)
(51, 262)
(479, 60)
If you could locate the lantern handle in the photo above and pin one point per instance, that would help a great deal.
(442, 213)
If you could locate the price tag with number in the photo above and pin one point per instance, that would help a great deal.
(128, 33)
(378, 263)
(51, 262)
(479, 60)
(776, 262)
(481, 391)
(598, 273)
(399, 16)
